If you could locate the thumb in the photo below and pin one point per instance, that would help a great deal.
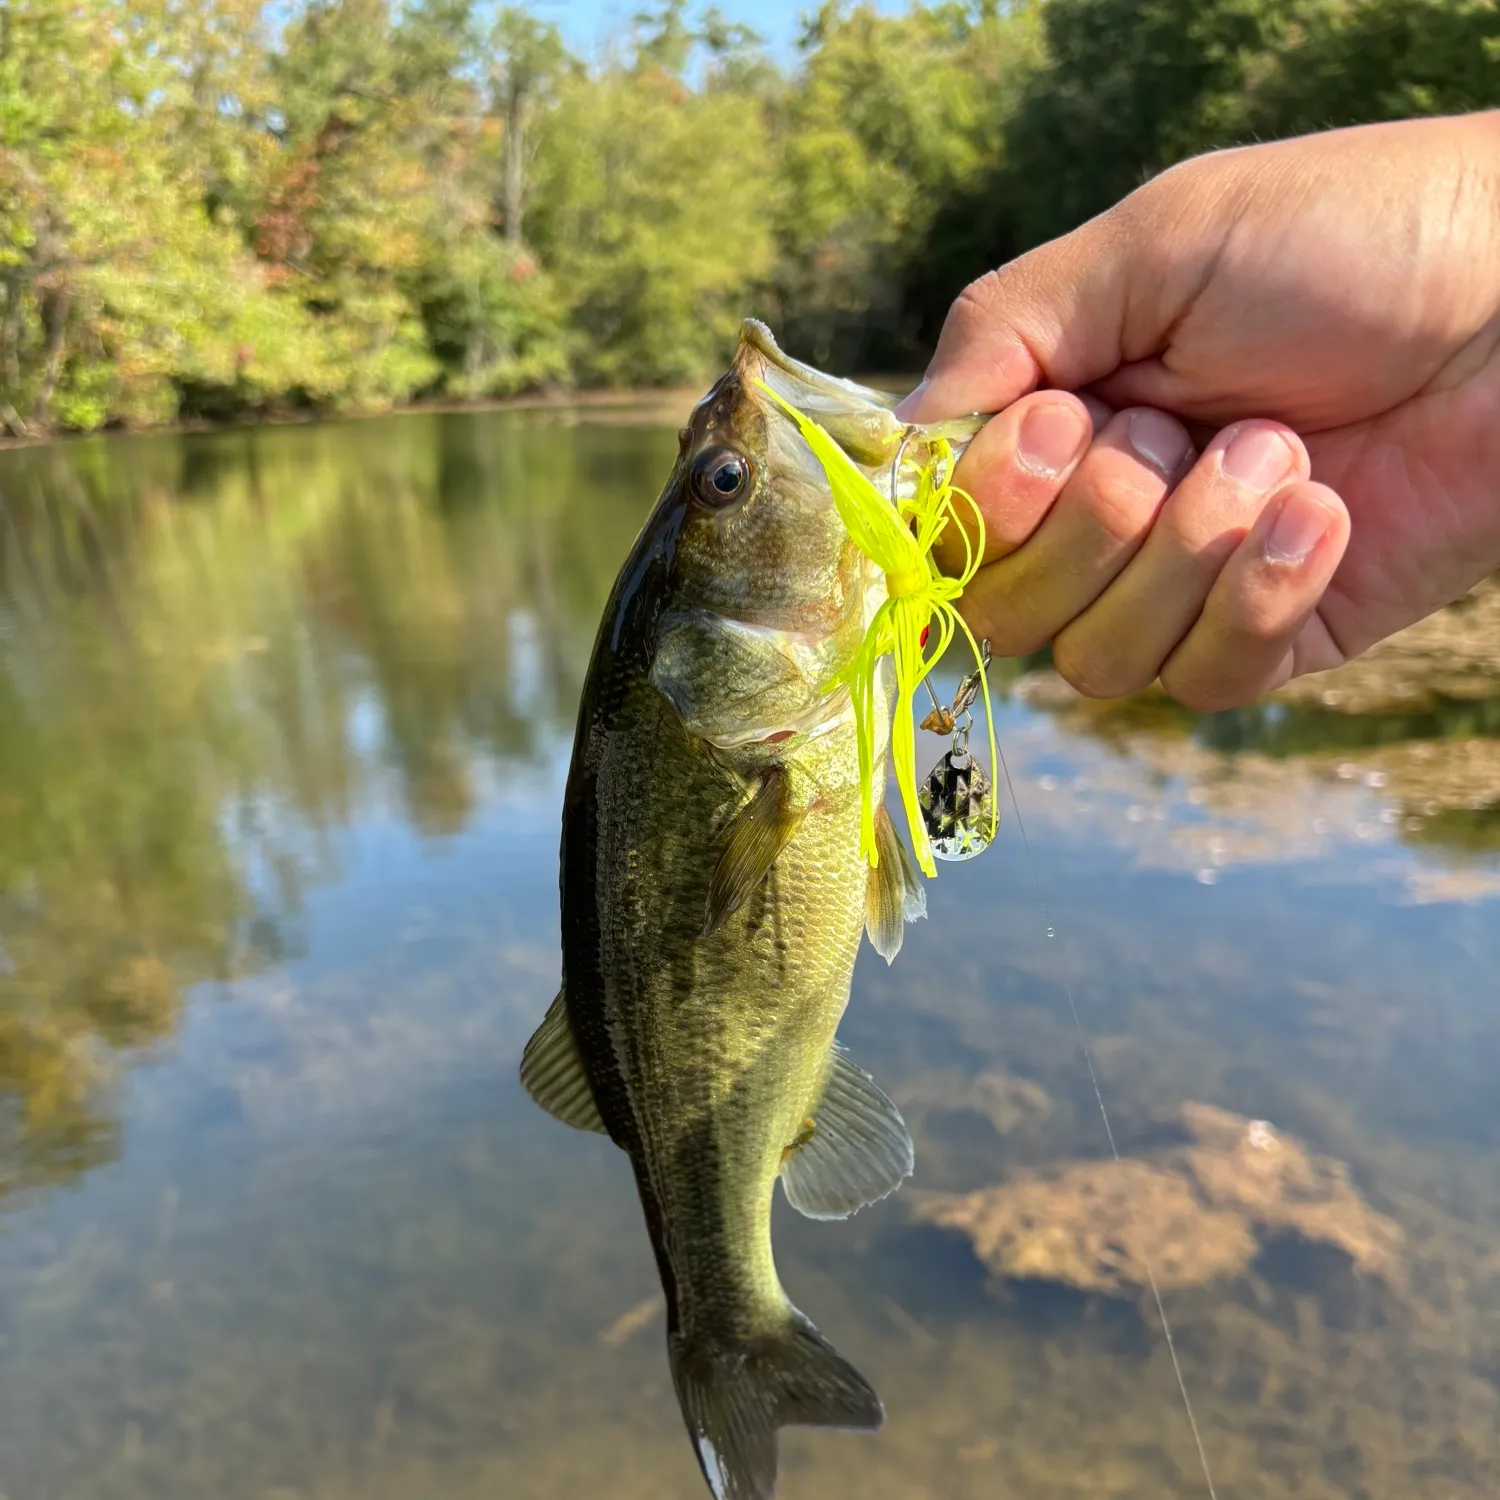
(1057, 316)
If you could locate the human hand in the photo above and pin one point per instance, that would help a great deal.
(1336, 300)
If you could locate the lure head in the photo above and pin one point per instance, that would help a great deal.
(769, 595)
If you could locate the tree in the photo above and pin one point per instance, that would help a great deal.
(890, 119)
(1381, 60)
(395, 198)
(654, 208)
(121, 274)
(526, 60)
(1129, 87)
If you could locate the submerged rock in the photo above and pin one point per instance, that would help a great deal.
(1009, 1103)
(1194, 1213)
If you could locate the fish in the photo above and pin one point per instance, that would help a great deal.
(714, 895)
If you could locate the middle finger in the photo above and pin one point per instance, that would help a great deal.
(1093, 529)
(1118, 645)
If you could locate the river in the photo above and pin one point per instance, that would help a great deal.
(284, 720)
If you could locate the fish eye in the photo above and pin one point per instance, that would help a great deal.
(720, 476)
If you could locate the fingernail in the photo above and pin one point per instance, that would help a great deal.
(1158, 439)
(1051, 437)
(1300, 526)
(1258, 458)
(907, 406)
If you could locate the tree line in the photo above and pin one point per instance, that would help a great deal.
(224, 208)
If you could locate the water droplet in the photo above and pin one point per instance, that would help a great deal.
(1050, 933)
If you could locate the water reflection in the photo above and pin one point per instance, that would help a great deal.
(214, 651)
(283, 720)
(1403, 744)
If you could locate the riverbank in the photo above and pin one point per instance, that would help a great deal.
(636, 405)
(640, 403)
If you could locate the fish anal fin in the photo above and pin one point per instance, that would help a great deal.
(857, 1151)
(552, 1071)
(735, 1397)
(894, 894)
(756, 835)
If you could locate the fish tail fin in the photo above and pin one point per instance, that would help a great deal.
(735, 1396)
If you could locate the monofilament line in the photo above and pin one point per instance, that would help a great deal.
(1088, 1058)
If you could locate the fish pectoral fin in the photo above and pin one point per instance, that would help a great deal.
(735, 1397)
(552, 1071)
(857, 1150)
(894, 894)
(756, 834)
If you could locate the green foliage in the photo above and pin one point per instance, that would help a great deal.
(384, 201)
(1383, 60)
(494, 319)
(1128, 88)
(189, 630)
(652, 211)
(1125, 88)
(890, 119)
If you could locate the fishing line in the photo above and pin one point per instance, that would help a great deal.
(899, 541)
(1088, 1058)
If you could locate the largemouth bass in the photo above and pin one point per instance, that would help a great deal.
(714, 895)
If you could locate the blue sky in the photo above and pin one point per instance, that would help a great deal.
(585, 22)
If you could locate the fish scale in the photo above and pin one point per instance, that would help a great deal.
(713, 898)
(723, 1039)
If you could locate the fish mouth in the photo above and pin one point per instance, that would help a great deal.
(809, 390)
(860, 419)
(826, 714)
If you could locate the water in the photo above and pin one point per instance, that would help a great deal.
(284, 717)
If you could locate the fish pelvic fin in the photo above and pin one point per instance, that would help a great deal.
(894, 893)
(734, 1398)
(756, 835)
(855, 1149)
(552, 1071)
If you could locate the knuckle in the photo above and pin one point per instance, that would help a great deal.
(1123, 508)
(1255, 607)
(1198, 691)
(979, 301)
(1093, 670)
(1254, 619)
(1201, 535)
(1010, 632)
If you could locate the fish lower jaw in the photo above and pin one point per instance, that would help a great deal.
(825, 715)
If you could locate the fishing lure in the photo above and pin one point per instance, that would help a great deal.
(957, 799)
(899, 538)
(955, 813)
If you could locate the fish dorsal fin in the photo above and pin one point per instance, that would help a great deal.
(855, 1150)
(552, 1071)
(894, 894)
(756, 834)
